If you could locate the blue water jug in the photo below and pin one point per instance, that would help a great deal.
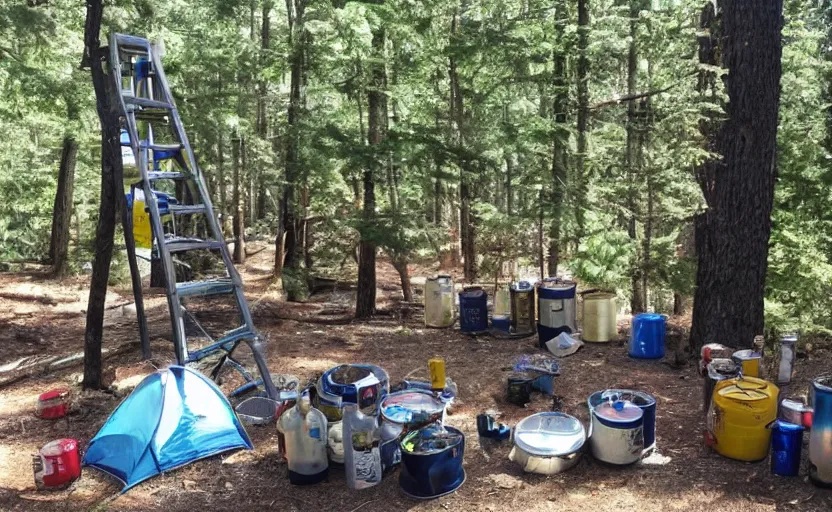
(647, 336)
(473, 310)
(786, 448)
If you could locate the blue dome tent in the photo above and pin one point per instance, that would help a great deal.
(172, 418)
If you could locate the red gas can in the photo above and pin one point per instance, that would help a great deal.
(57, 464)
(53, 404)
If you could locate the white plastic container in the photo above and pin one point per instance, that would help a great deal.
(362, 454)
(439, 301)
(305, 431)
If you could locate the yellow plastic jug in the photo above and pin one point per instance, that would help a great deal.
(599, 318)
(740, 412)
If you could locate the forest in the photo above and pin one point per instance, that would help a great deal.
(549, 135)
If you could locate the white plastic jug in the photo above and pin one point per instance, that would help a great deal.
(305, 432)
(362, 455)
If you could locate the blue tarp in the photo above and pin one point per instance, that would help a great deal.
(172, 418)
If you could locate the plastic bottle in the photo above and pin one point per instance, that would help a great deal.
(305, 432)
(362, 456)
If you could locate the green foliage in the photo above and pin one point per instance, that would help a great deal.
(501, 141)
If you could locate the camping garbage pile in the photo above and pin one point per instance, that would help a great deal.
(352, 420)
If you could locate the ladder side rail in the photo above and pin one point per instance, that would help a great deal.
(150, 200)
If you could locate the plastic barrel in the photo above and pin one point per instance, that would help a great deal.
(786, 447)
(647, 336)
(473, 310)
(820, 442)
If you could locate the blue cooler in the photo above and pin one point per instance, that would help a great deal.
(431, 469)
(647, 336)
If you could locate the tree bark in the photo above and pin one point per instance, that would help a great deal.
(297, 40)
(62, 212)
(632, 163)
(732, 235)
(400, 264)
(560, 139)
(111, 177)
(365, 304)
(466, 223)
(239, 226)
(580, 185)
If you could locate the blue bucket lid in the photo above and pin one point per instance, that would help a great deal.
(649, 317)
(522, 286)
(620, 412)
(785, 426)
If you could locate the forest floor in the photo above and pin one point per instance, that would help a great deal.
(40, 318)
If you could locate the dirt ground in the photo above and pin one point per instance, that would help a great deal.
(39, 317)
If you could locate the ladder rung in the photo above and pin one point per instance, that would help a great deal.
(161, 147)
(163, 175)
(147, 103)
(191, 244)
(219, 286)
(150, 115)
(186, 209)
(132, 41)
(132, 50)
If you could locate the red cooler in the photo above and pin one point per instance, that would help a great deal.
(57, 464)
(53, 404)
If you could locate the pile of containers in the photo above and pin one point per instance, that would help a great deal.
(354, 420)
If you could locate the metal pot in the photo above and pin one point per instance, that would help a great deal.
(547, 443)
(617, 432)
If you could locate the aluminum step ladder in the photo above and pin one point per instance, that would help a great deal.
(147, 108)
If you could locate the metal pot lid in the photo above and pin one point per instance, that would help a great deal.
(522, 286)
(746, 355)
(412, 405)
(722, 368)
(549, 434)
(619, 411)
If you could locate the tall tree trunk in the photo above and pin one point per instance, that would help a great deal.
(62, 212)
(262, 106)
(400, 264)
(560, 139)
(540, 256)
(223, 189)
(239, 226)
(365, 304)
(111, 177)
(580, 186)
(732, 235)
(509, 177)
(631, 161)
(297, 40)
(466, 222)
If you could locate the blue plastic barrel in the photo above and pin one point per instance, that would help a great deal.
(473, 310)
(786, 447)
(647, 336)
(820, 442)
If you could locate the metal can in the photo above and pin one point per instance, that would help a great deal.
(785, 361)
(437, 373)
